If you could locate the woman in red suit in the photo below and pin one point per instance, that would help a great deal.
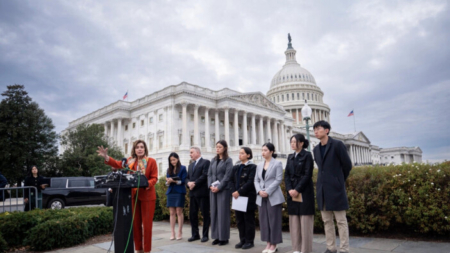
(145, 206)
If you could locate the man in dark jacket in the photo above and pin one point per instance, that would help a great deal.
(334, 167)
(199, 194)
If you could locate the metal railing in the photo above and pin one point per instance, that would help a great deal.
(12, 200)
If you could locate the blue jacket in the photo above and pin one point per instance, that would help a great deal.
(181, 188)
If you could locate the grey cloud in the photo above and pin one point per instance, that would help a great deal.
(75, 57)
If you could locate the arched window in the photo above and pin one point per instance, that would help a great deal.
(287, 97)
(282, 98)
(308, 95)
(298, 96)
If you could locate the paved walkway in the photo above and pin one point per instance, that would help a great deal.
(161, 243)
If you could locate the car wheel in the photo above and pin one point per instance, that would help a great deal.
(56, 204)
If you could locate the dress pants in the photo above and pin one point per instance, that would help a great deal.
(195, 204)
(301, 228)
(330, 231)
(220, 214)
(143, 218)
(270, 222)
(246, 225)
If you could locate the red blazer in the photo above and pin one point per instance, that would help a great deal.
(151, 173)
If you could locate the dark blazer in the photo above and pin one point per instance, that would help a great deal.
(178, 188)
(200, 177)
(246, 183)
(334, 169)
(220, 171)
(298, 176)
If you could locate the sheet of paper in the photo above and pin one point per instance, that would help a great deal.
(215, 184)
(240, 204)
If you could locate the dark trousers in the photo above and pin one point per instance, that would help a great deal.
(246, 225)
(202, 204)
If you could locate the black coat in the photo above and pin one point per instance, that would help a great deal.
(199, 177)
(33, 181)
(298, 176)
(246, 183)
(334, 169)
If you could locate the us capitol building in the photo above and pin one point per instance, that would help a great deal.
(180, 116)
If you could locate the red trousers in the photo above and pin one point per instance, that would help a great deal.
(143, 218)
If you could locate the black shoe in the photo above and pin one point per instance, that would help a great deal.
(193, 238)
(248, 245)
(221, 243)
(215, 242)
(205, 239)
(239, 245)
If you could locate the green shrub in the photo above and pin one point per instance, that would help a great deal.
(17, 228)
(59, 233)
(3, 244)
(409, 197)
(69, 231)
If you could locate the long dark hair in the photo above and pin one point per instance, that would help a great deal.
(300, 138)
(174, 170)
(271, 147)
(225, 150)
(30, 172)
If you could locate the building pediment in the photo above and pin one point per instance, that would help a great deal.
(360, 136)
(259, 99)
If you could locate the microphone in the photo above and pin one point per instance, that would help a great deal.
(124, 163)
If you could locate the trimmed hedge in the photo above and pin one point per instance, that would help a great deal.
(409, 198)
(3, 244)
(48, 229)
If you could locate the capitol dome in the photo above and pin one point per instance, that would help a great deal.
(293, 85)
(292, 71)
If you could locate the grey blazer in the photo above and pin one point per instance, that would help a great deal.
(222, 172)
(271, 183)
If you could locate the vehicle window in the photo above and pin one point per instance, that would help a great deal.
(58, 183)
(79, 183)
(91, 183)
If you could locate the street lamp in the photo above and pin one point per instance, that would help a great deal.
(306, 114)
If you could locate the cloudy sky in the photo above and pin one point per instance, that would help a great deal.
(387, 60)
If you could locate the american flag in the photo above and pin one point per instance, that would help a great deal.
(125, 96)
(351, 114)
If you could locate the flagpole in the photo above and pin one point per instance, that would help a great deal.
(354, 120)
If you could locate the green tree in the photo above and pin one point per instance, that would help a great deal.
(27, 135)
(80, 157)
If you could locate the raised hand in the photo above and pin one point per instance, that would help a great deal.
(103, 152)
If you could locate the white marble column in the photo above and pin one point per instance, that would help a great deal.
(185, 137)
(207, 136)
(196, 130)
(261, 130)
(244, 128)
(112, 131)
(120, 134)
(217, 130)
(351, 153)
(106, 128)
(283, 138)
(236, 128)
(170, 127)
(269, 131)
(227, 125)
(253, 140)
(275, 136)
(156, 136)
(298, 116)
